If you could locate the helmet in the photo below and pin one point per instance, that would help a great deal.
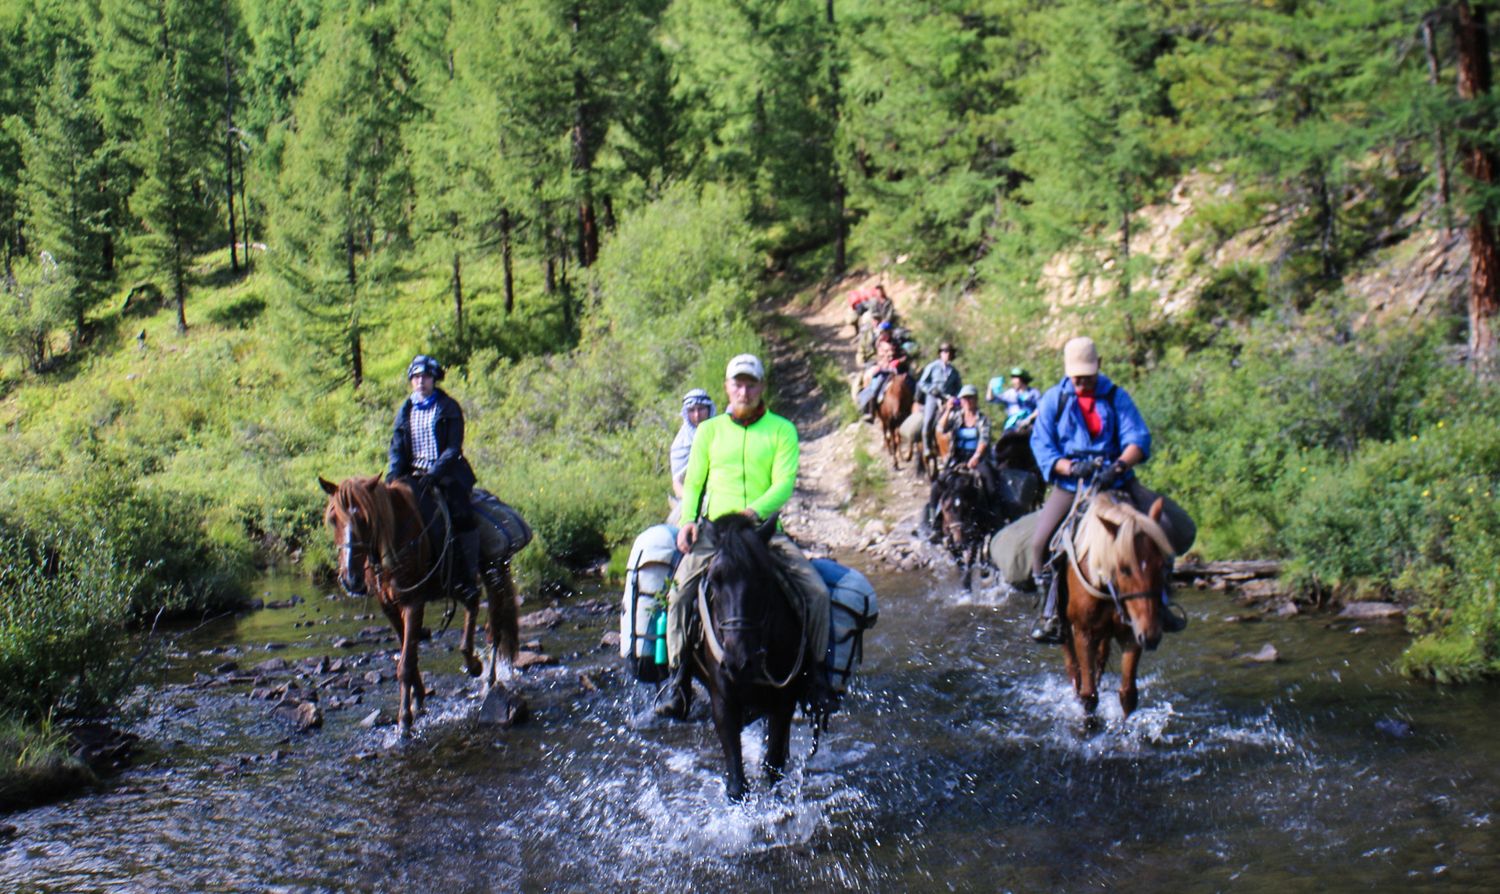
(423, 364)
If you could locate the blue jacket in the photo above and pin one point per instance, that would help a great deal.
(448, 427)
(1060, 431)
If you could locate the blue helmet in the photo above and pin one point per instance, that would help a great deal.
(424, 364)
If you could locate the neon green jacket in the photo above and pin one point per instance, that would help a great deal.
(739, 467)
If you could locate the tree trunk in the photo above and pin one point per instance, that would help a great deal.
(458, 301)
(234, 260)
(1439, 141)
(1474, 82)
(244, 206)
(351, 276)
(840, 225)
(507, 261)
(588, 227)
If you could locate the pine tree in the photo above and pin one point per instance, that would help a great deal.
(64, 183)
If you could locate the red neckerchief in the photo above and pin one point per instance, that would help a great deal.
(750, 418)
(1088, 405)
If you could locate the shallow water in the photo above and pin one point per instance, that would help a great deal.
(961, 763)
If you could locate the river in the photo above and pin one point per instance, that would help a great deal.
(960, 764)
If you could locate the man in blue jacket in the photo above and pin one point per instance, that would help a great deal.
(1087, 426)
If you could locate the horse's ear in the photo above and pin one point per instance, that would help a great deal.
(767, 528)
(1156, 509)
(1112, 528)
(328, 486)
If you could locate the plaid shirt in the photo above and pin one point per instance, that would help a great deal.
(424, 446)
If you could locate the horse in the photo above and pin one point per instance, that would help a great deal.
(894, 407)
(384, 547)
(968, 517)
(1117, 570)
(751, 656)
(935, 455)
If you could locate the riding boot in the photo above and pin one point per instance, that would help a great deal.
(1173, 618)
(1048, 629)
(677, 696)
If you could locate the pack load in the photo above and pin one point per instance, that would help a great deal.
(502, 530)
(852, 612)
(643, 609)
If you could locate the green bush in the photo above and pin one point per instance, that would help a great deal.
(62, 623)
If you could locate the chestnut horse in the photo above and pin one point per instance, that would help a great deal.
(894, 407)
(751, 654)
(1117, 570)
(384, 548)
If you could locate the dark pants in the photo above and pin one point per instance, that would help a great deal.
(1179, 527)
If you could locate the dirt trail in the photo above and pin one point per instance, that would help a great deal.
(826, 514)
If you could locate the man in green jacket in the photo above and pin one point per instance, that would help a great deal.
(744, 460)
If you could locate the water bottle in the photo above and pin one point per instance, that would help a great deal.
(661, 636)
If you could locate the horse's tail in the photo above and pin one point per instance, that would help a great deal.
(505, 626)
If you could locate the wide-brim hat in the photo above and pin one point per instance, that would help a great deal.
(1080, 357)
(1019, 372)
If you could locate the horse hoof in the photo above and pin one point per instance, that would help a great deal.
(473, 666)
(735, 795)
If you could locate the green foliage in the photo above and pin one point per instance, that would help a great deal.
(62, 623)
(36, 299)
(35, 764)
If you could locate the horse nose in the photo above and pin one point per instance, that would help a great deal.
(351, 586)
(1149, 643)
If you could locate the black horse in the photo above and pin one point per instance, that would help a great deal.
(970, 511)
(750, 655)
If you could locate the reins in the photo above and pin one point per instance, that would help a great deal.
(716, 648)
(1082, 499)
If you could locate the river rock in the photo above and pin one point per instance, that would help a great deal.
(1396, 729)
(374, 678)
(610, 640)
(375, 718)
(285, 603)
(271, 666)
(502, 708)
(1261, 590)
(547, 617)
(1364, 611)
(304, 715)
(527, 658)
(8, 831)
(343, 642)
(372, 632)
(1266, 655)
(1288, 609)
(227, 667)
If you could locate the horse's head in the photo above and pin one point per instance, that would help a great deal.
(359, 512)
(959, 502)
(1126, 553)
(746, 610)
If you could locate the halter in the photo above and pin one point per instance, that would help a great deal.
(378, 564)
(716, 648)
(1082, 498)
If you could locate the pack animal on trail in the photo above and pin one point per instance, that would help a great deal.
(750, 655)
(1118, 562)
(968, 517)
(385, 548)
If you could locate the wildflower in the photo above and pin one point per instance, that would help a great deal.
(1426, 493)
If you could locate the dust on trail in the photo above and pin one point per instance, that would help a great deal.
(826, 514)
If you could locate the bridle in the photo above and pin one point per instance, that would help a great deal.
(377, 564)
(738, 623)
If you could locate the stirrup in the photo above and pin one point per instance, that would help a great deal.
(1174, 618)
(1048, 631)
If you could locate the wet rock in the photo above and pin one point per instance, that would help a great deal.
(1364, 611)
(1266, 655)
(1396, 729)
(275, 647)
(588, 683)
(7, 831)
(547, 617)
(344, 642)
(610, 640)
(1242, 619)
(101, 746)
(227, 667)
(502, 708)
(278, 755)
(285, 603)
(374, 678)
(261, 693)
(534, 645)
(527, 658)
(303, 715)
(271, 666)
(1288, 609)
(372, 632)
(375, 718)
(256, 605)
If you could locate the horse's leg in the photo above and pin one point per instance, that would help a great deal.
(409, 677)
(504, 628)
(1086, 676)
(778, 740)
(1129, 658)
(729, 719)
(472, 667)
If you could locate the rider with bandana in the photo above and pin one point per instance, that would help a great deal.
(743, 460)
(427, 444)
(1088, 430)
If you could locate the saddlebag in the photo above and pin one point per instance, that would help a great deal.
(852, 612)
(643, 609)
(502, 530)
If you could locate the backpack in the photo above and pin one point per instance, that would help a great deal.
(643, 612)
(853, 610)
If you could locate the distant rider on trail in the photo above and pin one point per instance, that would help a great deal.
(1020, 400)
(744, 460)
(940, 382)
(427, 445)
(1088, 429)
(969, 429)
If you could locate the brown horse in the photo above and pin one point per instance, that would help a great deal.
(1117, 570)
(935, 456)
(384, 548)
(894, 407)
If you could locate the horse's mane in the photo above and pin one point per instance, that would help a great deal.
(374, 502)
(739, 544)
(1105, 551)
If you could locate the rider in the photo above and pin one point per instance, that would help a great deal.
(969, 429)
(1088, 428)
(697, 407)
(745, 461)
(1020, 399)
(939, 383)
(890, 358)
(427, 444)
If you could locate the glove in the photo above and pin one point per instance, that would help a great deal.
(1084, 469)
(1114, 473)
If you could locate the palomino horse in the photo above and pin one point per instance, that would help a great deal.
(751, 653)
(1117, 570)
(383, 547)
(894, 407)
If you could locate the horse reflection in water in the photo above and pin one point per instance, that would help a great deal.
(1117, 570)
(384, 548)
(751, 654)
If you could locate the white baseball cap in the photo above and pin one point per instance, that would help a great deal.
(746, 365)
